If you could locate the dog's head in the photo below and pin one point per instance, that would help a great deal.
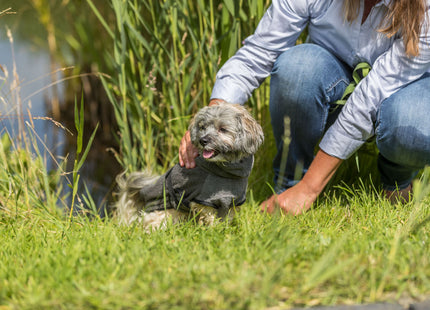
(225, 133)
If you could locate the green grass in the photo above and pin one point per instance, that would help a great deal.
(353, 248)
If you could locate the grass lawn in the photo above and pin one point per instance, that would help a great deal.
(354, 247)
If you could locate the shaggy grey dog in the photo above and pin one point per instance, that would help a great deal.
(227, 137)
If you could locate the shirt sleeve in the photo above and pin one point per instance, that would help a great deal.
(277, 31)
(391, 71)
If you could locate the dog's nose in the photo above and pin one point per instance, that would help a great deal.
(204, 140)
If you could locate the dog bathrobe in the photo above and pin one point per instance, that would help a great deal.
(214, 184)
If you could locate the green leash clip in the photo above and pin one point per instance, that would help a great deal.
(359, 73)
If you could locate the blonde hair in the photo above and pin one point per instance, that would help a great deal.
(403, 16)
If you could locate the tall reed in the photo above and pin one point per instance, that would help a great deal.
(166, 54)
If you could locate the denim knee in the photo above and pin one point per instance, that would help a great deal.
(403, 126)
(308, 72)
(403, 133)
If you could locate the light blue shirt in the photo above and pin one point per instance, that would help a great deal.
(353, 42)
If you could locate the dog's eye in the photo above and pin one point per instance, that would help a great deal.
(222, 129)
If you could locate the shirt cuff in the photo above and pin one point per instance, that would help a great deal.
(224, 89)
(338, 145)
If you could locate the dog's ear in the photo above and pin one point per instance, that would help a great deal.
(252, 135)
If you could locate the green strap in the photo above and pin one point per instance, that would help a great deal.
(359, 73)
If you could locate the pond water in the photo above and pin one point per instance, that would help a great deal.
(33, 69)
(32, 76)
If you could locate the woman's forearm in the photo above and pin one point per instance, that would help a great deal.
(321, 171)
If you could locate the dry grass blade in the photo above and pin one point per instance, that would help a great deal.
(8, 11)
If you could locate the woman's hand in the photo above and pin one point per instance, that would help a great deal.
(300, 197)
(187, 152)
(294, 200)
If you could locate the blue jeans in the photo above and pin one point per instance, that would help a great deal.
(305, 81)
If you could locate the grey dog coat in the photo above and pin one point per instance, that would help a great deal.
(218, 185)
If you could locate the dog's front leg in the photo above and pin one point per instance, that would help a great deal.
(159, 219)
(204, 215)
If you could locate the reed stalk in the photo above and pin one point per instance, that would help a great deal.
(43, 9)
(167, 54)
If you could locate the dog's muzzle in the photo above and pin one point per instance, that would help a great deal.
(204, 140)
(207, 152)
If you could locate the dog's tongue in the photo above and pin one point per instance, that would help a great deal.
(208, 154)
